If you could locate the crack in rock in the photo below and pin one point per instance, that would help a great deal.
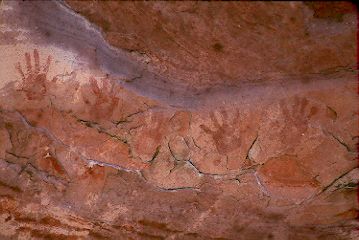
(341, 142)
(96, 126)
(262, 188)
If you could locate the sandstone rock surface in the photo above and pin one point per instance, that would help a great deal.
(178, 120)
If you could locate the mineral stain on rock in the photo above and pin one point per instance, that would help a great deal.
(178, 120)
(332, 10)
(218, 47)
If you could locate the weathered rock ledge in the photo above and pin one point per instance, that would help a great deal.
(178, 120)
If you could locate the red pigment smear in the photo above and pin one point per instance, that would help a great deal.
(331, 10)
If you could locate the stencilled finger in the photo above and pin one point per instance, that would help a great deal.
(284, 108)
(106, 85)
(19, 69)
(236, 117)
(47, 65)
(224, 114)
(28, 63)
(214, 120)
(37, 61)
(94, 86)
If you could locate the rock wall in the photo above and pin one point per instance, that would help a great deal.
(194, 120)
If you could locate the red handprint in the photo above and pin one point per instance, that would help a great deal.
(106, 100)
(34, 80)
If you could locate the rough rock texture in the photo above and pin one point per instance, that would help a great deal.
(204, 44)
(102, 141)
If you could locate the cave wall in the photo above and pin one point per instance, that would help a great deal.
(178, 120)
